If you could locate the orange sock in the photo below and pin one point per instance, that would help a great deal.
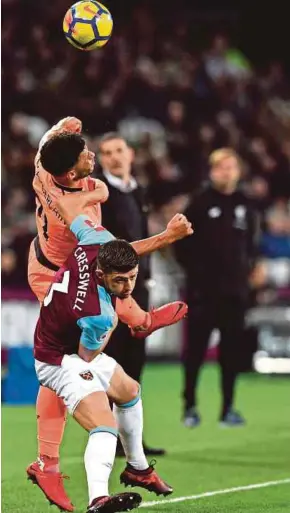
(51, 418)
(129, 312)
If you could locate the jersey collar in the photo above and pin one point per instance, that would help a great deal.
(118, 183)
(67, 189)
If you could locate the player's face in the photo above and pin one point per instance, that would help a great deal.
(120, 284)
(116, 157)
(85, 164)
(226, 174)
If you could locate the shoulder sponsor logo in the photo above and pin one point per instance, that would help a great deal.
(103, 336)
(95, 226)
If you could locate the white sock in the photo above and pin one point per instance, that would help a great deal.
(99, 459)
(130, 423)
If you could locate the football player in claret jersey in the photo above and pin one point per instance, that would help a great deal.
(75, 323)
(63, 166)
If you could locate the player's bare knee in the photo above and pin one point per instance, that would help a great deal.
(90, 420)
(131, 396)
(94, 410)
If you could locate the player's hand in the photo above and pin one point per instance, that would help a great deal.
(69, 124)
(178, 228)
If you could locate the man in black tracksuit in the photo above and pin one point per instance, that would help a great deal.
(125, 215)
(217, 261)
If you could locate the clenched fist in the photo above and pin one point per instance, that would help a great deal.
(178, 228)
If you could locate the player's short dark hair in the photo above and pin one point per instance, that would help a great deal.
(60, 153)
(117, 256)
(110, 136)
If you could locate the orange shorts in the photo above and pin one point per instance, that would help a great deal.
(39, 277)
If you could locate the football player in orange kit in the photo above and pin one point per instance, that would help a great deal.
(66, 170)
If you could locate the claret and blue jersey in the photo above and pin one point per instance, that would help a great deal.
(77, 308)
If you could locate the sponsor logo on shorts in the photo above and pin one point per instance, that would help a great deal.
(87, 375)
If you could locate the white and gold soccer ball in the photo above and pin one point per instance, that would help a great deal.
(88, 25)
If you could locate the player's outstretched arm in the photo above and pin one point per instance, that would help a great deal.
(177, 228)
(72, 205)
(85, 231)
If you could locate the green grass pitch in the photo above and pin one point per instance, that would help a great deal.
(202, 460)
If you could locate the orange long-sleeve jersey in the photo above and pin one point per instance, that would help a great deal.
(55, 238)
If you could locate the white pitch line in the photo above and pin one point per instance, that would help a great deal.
(216, 492)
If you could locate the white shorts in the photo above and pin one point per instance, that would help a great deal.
(75, 379)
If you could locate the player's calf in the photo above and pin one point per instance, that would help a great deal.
(100, 455)
(129, 416)
(94, 410)
(128, 411)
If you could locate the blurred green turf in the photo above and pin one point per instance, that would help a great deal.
(205, 459)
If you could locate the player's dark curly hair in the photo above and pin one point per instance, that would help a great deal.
(60, 153)
(117, 256)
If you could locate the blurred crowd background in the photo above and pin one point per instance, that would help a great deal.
(177, 84)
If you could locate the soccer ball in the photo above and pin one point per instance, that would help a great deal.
(88, 25)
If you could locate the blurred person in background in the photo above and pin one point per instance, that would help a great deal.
(8, 267)
(273, 267)
(275, 241)
(222, 61)
(125, 215)
(217, 262)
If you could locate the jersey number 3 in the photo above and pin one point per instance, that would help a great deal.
(57, 287)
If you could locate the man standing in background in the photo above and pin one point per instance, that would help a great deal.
(125, 215)
(217, 261)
